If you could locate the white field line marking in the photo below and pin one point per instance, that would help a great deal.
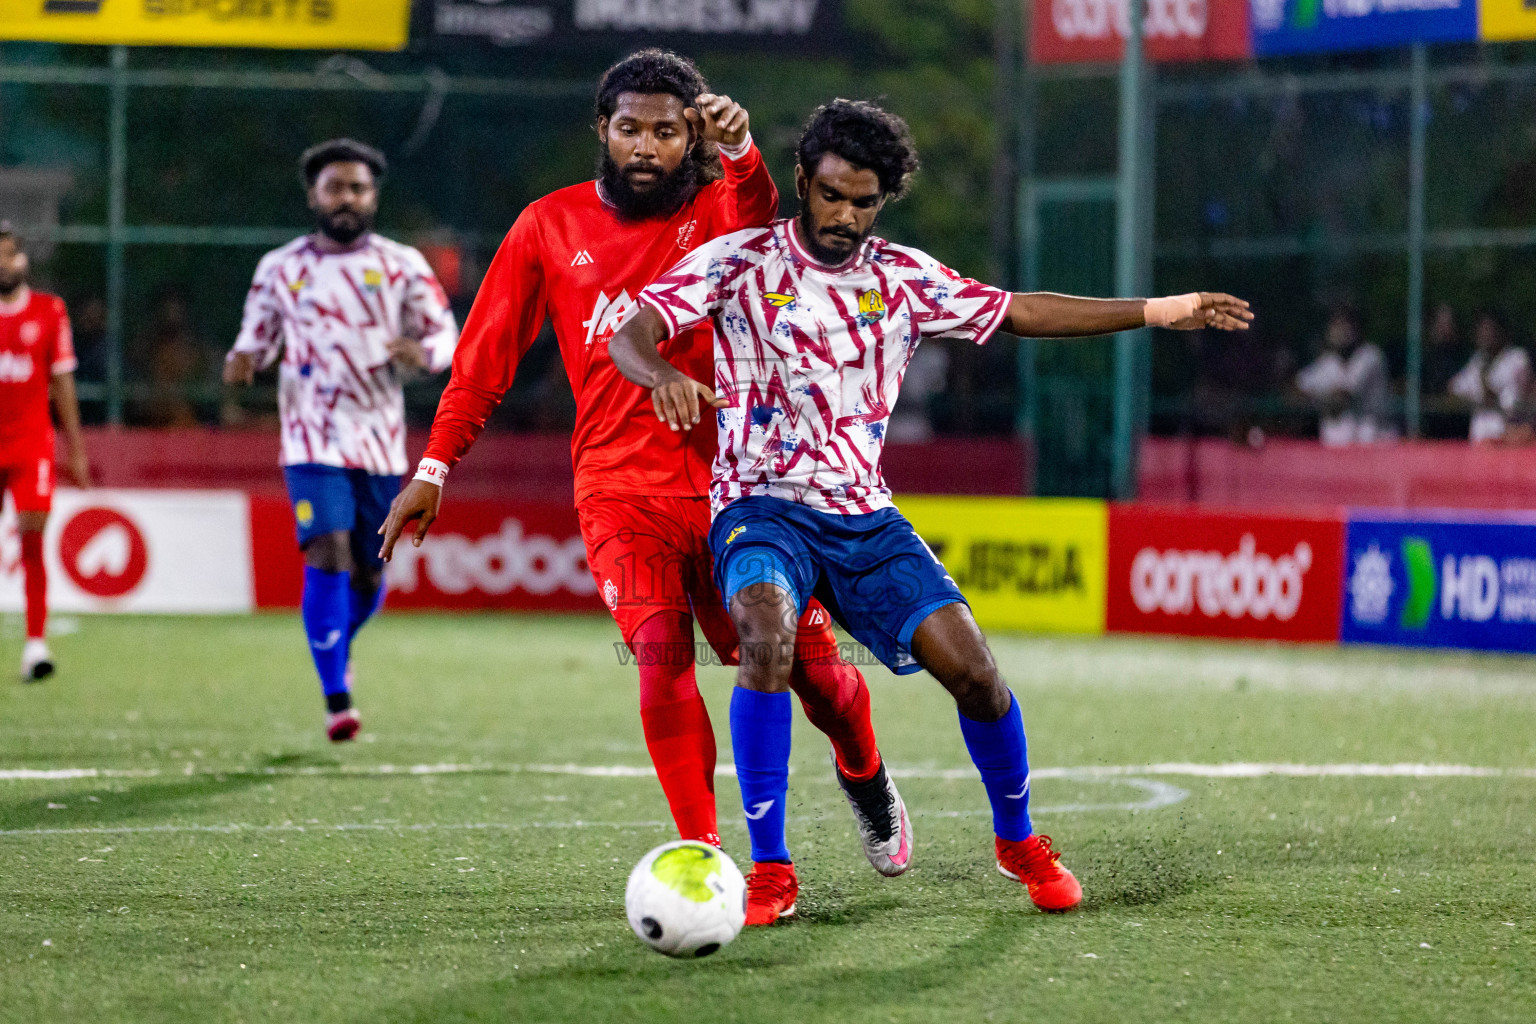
(1229, 770)
(235, 828)
(1159, 795)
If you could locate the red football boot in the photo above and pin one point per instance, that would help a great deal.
(771, 892)
(342, 725)
(1033, 862)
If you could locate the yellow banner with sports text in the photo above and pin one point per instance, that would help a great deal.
(287, 24)
(1505, 19)
(1036, 564)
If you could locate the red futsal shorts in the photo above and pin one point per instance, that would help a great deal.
(30, 482)
(651, 554)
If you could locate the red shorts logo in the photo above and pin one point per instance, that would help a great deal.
(103, 552)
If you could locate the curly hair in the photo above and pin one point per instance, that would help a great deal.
(335, 151)
(660, 71)
(864, 134)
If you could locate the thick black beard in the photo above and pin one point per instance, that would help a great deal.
(662, 199)
(10, 286)
(823, 255)
(343, 235)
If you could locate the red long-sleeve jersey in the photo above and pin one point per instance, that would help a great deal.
(571, 256)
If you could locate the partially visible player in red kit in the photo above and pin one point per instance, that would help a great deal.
(37, 363)
(582, 255)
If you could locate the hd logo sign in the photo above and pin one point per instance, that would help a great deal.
(288, 24)
(1441, 583)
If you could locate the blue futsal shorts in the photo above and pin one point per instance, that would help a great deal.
(328, 498)
(872, 571)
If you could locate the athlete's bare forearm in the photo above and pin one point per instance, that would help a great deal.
(634, 350)
(676, 398)
(67, 406)
(1049, 315)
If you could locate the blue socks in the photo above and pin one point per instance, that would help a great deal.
(360, 608)
(1000, 754)
(760, 737)
(327, 609)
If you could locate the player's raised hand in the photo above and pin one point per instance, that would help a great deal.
(239, 368)
(418, 502)
(1217, 309)
(718, 119)
(677, 399)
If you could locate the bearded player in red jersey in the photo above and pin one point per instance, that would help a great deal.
(582, 255)
(37, 362)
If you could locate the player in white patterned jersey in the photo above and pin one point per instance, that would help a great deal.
(814, 356)
(352, 313)
(815, 321)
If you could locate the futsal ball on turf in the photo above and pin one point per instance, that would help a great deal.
(686, 899)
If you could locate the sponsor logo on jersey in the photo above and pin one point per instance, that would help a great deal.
(735, 533)
(685, 234)
(15, 369)
(608, 315)
(871, 307)
(779, 300)
(582, 259)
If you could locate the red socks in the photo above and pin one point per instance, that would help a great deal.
(834, 695)
(681, 740)
(678, 733)
(37, 583)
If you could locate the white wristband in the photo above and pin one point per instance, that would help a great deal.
(432, 471)
(1168, 311)
(736, 152)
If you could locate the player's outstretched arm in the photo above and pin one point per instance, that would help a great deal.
(61, 387)
(418, 503)
(674, 395)
(1048, 315)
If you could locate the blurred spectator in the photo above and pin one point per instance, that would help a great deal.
(88, 317)
(927, 373)
(1348, 384)
(174, 360)
(1497, 381)
(1442, 350)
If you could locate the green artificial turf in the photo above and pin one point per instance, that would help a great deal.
(236, 867)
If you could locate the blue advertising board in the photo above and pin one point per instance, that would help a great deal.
(1314, 26)
(1441, 582)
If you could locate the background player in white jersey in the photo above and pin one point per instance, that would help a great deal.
(351, 312)
(815, 322)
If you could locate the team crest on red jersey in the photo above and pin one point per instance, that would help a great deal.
(685, 234)
(30, 332)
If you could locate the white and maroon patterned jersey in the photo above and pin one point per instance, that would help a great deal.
(332, 315)
(811, 357)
